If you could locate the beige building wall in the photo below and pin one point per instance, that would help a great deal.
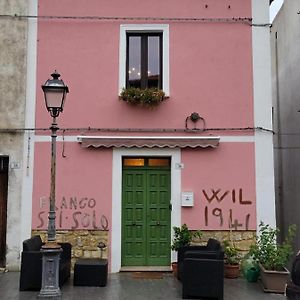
(13, 44)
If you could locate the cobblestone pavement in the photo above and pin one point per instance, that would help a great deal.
(126, 286)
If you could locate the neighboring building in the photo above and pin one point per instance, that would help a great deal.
(127, 174)
(285, 39)
(13, 58)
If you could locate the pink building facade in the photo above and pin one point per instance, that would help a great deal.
(136, 172)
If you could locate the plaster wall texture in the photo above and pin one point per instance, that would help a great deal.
(13, 38)
(211, 72)
(83, 185)
(223, 182)
(210, 64)
(215, 79)
(285, 38)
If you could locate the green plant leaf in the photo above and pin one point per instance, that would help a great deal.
(269, 253)
(150, 97)
(183, 237)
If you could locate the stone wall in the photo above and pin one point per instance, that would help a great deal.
(84, 242)
(241, 239)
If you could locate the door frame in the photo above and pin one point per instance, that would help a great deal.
(118, 153)
(3, 211)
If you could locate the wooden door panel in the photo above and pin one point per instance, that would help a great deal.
(146, 217)
(133, 218)
(158, 187)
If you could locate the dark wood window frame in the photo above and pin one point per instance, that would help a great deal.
(144, 57)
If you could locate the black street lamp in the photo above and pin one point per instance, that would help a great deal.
(55, 94)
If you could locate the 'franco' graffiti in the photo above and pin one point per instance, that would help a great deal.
(225, 216)
(73, 213)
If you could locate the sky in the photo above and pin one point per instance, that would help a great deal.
(274, 8)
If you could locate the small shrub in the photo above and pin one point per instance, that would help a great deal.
(268, 252)
(145, 97)
(232, 255)
(183, 236)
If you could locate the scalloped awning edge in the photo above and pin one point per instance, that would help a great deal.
(148, 142)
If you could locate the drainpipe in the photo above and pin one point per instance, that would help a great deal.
(280, 190)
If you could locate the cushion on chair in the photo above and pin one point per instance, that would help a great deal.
(213, 245)
(33, 244)
(203, 254)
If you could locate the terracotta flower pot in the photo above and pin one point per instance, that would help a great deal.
(231, 271)
(174, 268)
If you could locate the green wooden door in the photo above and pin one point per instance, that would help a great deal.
(146, 217)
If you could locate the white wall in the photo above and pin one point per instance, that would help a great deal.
(265, 194)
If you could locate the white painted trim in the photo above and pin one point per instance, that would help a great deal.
(28, 144)
(175, 155)
(164, 28)
(47, 138)
(237, 139)
(265, 191)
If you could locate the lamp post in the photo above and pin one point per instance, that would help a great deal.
(55, 94)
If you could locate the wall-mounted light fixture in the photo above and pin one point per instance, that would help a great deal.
(194, 118)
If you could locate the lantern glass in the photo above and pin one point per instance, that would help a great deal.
(55, 93)
(54, 98)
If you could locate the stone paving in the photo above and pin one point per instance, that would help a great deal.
(127, 286)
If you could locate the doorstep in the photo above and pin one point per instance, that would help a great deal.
(146, 269)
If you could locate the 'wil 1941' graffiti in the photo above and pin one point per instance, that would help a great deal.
(217, 196)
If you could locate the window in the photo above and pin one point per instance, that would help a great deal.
(144, 56)
(143, 60)
(146, 162)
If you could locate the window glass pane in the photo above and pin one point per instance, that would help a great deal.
(134, 162)
(159, 162)
(134, 61)
(153, 61)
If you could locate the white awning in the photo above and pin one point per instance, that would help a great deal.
(148, 142)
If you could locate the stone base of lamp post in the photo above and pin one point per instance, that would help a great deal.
(50, 271)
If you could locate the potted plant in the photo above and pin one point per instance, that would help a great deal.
(273, 257)
(149, 97)
(182, 237)
(232, 259)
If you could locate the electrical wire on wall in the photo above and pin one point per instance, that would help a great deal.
(142, 130)
(238, 20)
(194, 117)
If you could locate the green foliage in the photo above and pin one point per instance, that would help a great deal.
(145, 97)
(268, 252)
(183, 236)
(232, 255)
